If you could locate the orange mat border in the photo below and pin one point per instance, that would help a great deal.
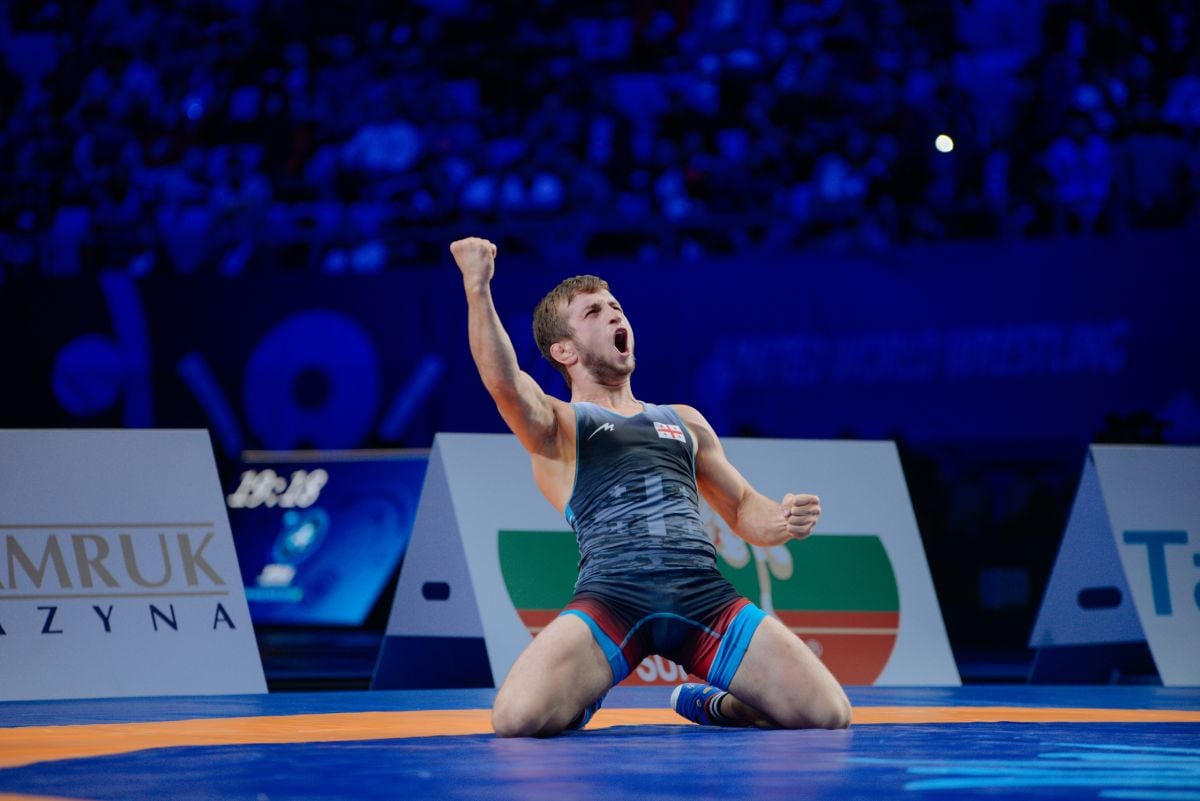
(26, 745)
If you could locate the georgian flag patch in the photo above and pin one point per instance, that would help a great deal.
(668, 431)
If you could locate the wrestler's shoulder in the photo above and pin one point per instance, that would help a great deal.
(690, 414)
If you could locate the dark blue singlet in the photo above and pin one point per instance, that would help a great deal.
(648, 579)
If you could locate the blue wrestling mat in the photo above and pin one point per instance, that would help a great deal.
(1000, 742)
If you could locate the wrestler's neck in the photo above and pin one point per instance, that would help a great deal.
(617, 396)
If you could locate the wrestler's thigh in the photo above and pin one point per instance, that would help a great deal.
(563, 668)
(781, 677)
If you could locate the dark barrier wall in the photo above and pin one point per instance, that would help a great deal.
(947, 344)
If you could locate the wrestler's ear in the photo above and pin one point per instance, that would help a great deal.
(563, 352)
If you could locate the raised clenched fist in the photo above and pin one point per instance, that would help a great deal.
(476, 258)
(801, 512)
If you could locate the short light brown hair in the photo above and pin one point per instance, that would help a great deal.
(550, 324)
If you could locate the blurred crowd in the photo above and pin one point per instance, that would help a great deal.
(226, 136)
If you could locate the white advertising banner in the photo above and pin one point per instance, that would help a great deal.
(1128, 569)
(118, 575)
(490, 563)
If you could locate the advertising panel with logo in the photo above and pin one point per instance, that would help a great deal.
(1128, 569)
(118, 575)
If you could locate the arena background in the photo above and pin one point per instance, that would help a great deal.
(234, 215)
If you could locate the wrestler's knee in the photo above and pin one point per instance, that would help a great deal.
(512, 718)
(836, 712)
(827, 709)
(523, 717)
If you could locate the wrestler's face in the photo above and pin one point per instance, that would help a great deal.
(601, 334)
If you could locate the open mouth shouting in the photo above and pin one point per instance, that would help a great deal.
(621, 340)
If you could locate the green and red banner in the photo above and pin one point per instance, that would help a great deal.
(836, 591)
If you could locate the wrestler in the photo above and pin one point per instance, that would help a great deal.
(626, 475)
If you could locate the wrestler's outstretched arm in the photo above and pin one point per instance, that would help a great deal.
(751, 515)
(527, 410)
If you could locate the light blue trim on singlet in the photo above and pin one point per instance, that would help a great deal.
(733, 645)
(612, 652)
